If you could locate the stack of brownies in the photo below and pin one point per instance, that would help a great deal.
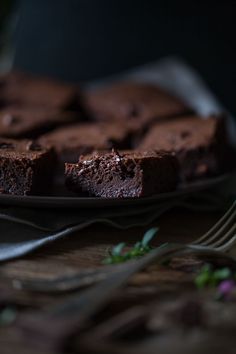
(126, 140)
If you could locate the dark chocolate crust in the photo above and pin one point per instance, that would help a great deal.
(75, 140)
(25, 167)
(21, 89)
(130, 101)
(17, 122)
(198, 143)
(123, 174)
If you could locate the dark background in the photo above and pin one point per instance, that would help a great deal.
(79, 40)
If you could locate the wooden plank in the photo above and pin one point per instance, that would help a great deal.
(87, 249)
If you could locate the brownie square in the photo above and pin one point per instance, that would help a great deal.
(25, 167)
(23, 89)
(72, 141)
(199, 144)
(17, 122)
(130, 101)
(123, 174)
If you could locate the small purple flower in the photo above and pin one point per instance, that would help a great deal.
(226, 287)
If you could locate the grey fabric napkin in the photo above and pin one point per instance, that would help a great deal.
(23, 230)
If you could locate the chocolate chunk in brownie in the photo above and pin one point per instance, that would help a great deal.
(27, 90)
(30, 123)
(123, 174)
(25, 167)
(198, 144)
(79, 139)
(133, 102)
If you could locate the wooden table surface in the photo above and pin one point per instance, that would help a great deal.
(86, 249)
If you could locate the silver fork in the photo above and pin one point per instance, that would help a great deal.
(221, 237)
(73, 312)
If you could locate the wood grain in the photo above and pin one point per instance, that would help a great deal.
(87, 249)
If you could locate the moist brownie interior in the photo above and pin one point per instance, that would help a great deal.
(123, 174)
(25, 167)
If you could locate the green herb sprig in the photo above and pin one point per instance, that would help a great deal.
(118, 255)
(223, 280)
(209, 277)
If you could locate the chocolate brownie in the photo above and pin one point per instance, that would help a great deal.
(27, 90)
(134, 102)
(75, 140)
(198, 143)
(30, 123)
(123, 174)
(25, 167)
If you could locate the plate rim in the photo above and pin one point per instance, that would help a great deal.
(95, 202)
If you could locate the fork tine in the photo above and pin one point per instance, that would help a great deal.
(221, 232)
(220, 224)
(227, 246)
(225, 238)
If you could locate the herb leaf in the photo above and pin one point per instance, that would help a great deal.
(222, 274)
(148, 236)
(116, 251)
(138, 250)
